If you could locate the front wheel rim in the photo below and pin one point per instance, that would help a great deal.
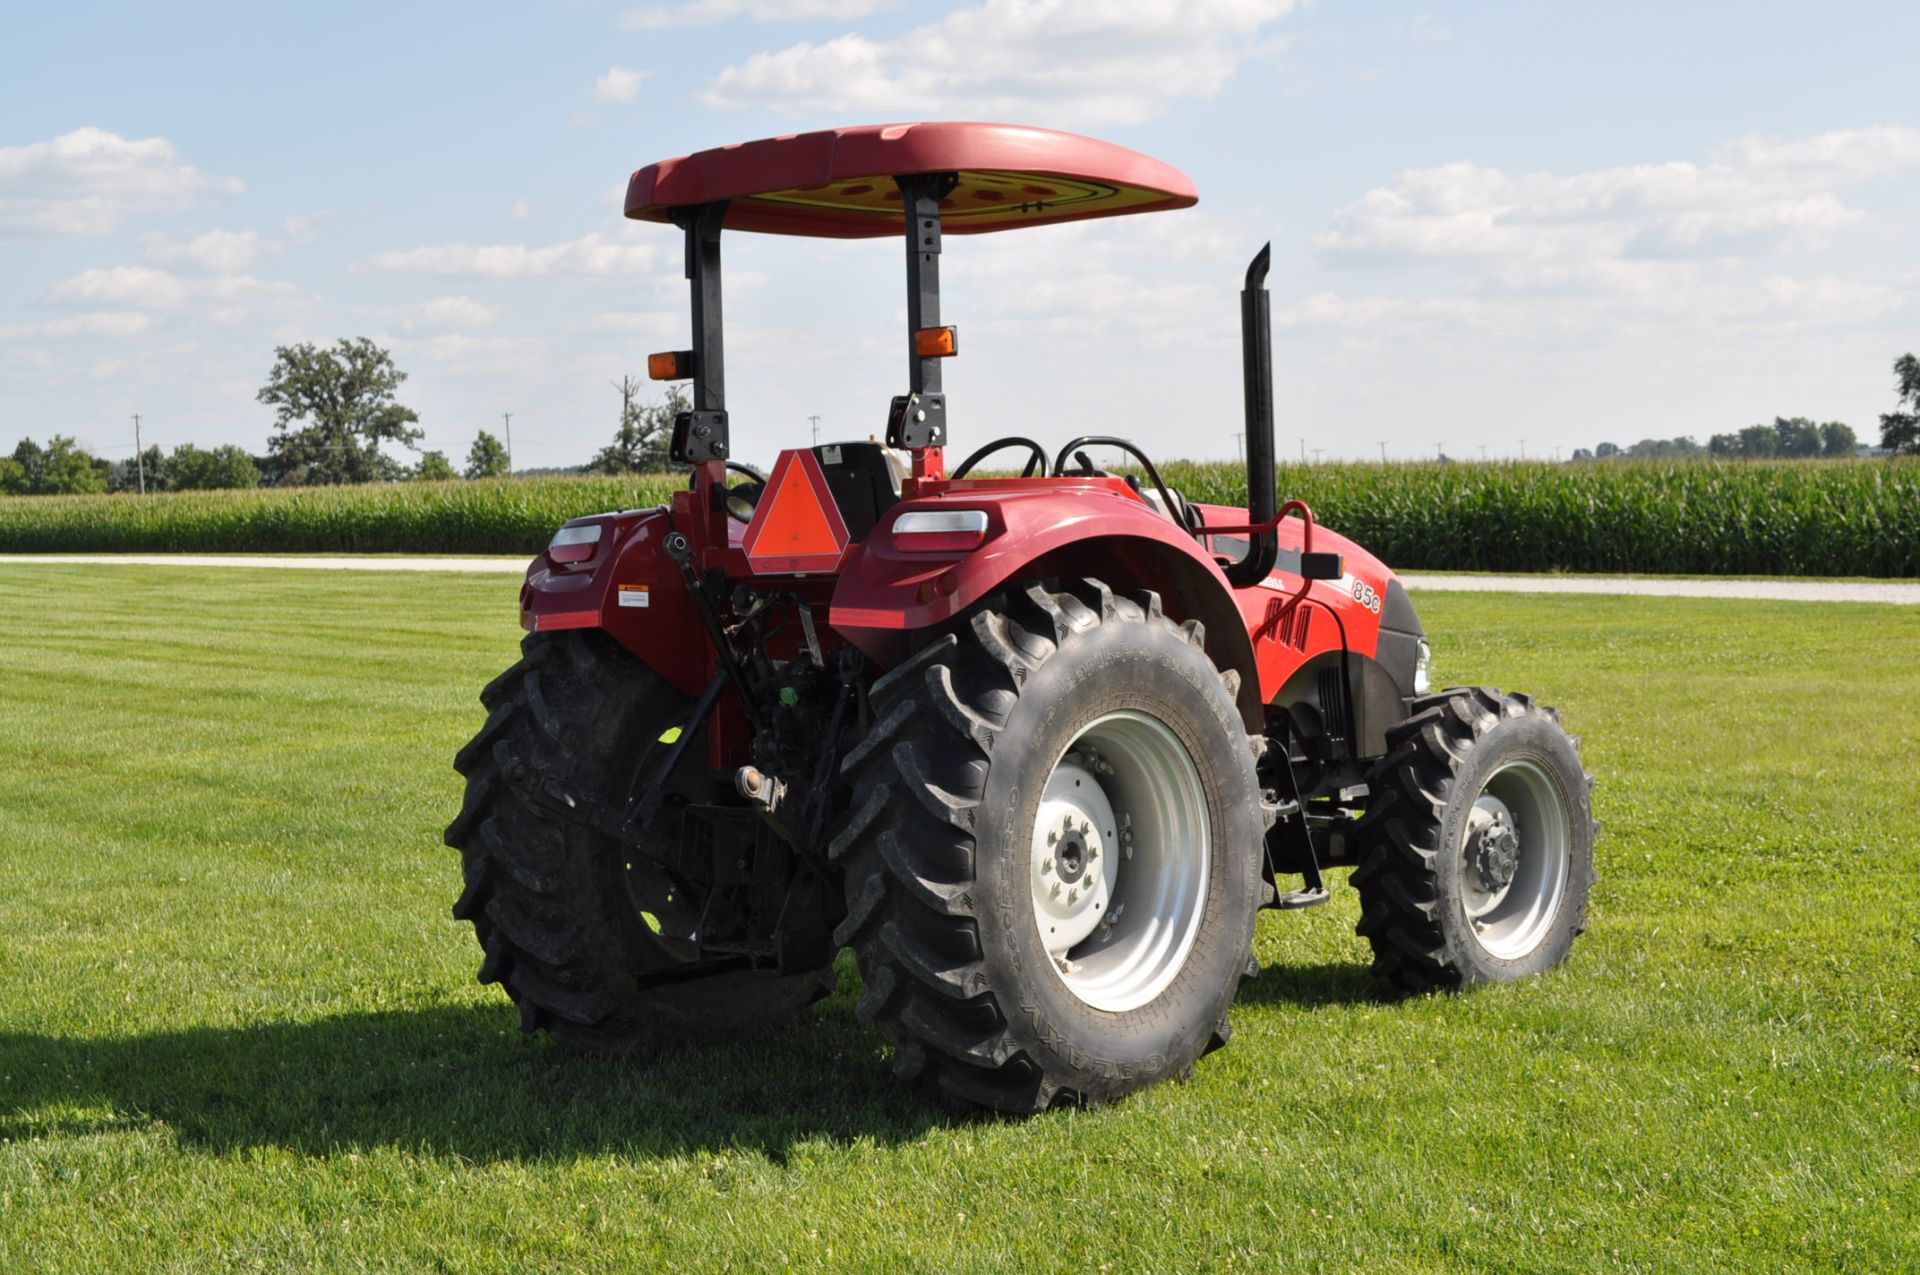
(1515, 860)
(1121, 861)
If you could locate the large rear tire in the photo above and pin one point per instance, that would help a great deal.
(569, 921)
(1477, 843)
(1052, 860)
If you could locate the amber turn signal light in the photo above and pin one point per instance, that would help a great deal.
(936, 343)
(674, 365)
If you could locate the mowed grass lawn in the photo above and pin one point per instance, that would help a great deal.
(239, 1029)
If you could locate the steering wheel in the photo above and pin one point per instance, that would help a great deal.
(1037, 456)
(740, 500)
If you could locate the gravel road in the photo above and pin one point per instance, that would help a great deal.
(1777, 590)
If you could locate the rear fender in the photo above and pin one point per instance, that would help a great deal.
(884, 594)
(631, 589)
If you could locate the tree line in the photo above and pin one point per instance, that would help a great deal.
(1789, 437)
(336, 410)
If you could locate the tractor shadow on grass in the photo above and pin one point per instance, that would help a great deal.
(461, 1080)
(1318, 986)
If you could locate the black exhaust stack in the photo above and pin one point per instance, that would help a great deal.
(1256, 356)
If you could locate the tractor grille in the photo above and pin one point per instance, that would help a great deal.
(1333, 702)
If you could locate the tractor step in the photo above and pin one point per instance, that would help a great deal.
(1295, 899)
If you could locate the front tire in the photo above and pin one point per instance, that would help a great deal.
(1477, 843)
(1052, 861)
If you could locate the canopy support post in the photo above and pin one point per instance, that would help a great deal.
(701, 434)
(918, 421)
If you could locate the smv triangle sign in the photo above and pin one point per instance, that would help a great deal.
(796, 526)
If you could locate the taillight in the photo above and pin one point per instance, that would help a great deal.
(574, 544)
(940, 530)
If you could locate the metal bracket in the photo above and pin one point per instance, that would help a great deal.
(917, 421)
(700, 436)
(1291, 819)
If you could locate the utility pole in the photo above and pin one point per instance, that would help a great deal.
(507, 419)
(1483, 453)
(1303, 451)
(139, 457)
(815, 422)
(1556, 454)
(1523, 449)
(1383, 451)
(1440, 451)
(1240, 448)
(1316, 454)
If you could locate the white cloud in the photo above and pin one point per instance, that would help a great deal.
(304, 228)
(223, 250)
(458, 354)
(226, 299)
(1749, 199)
(87, 181)
(109, 323)
(619, 84)
(439, 313)
(662, 323)
(1077, 61)
(105, 323)
(1680, 255)
(699, 13)
(591, 254)
(1422, 29)
(142, 286)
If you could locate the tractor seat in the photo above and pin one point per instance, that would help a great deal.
(863, 480)
(1181, 515)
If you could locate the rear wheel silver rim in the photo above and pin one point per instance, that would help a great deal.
(1122, 855)
(1516, 858)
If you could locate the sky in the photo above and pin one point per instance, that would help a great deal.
(1498, 228)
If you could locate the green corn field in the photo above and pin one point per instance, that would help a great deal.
(1835, 518)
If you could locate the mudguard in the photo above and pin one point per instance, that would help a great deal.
(630, 588)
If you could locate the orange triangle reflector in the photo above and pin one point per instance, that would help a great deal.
(796, 526)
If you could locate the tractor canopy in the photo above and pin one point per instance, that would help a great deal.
(841, 183)
(912, 181)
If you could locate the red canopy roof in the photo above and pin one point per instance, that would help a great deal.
(837, 184)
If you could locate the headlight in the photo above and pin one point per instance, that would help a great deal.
(1423, 669)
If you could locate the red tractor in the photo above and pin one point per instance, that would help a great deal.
(1037, 748)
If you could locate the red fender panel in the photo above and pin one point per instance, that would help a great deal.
(1099, 528)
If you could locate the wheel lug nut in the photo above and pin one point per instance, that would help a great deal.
(1047, 868)
(1052, 837)
(1055, 892)
(1073, 895)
